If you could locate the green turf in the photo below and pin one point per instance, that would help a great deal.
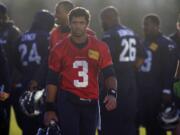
(14, 129)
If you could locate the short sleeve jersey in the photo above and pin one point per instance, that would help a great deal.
(79, 68)
(125, 47)
(31, 51)
(159, 67)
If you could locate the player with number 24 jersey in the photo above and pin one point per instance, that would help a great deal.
(32, 49)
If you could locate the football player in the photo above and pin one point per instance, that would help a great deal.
(128, 55)
(155, 77)
(31, 51)
(62, 29)
(74, 67)
(8, 35)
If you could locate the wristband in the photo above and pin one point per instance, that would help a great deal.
(166, 91)
(112, 92)
(50, 106)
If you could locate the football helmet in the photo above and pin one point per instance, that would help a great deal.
(168, 117)
(32, 102)
(52, 129)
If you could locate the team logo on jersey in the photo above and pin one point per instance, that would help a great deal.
(93, 54)
(153, 46)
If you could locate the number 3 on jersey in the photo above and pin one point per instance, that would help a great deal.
(83, 73)
(129, 51)
(146, 67)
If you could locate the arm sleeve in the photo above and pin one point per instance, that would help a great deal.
(52, 77)
(54, 67)
(108, 71)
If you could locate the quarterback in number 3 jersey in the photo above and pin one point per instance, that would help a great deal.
(79, 66)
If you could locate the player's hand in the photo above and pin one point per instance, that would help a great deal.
(4, 96)
(110, 102)
(49, 116)
(33, 85)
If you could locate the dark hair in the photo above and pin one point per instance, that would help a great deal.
(109, 9)
(153, 17)
(79, 12)
(3, 8)
(67, 4)
(43, 20)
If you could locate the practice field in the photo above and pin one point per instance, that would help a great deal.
(14, 129)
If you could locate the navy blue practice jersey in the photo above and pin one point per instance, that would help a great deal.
(31, 52)
(159, 66)
(125, 48)
(9, 33)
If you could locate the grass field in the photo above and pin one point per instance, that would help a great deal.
(14, 129)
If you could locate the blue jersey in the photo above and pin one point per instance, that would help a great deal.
(8, 36)
(125, 48)
(9, 33)
(31, 52)
(159, 67)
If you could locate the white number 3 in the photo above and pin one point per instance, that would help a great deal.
(83, 73)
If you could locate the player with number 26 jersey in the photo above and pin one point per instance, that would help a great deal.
(127, 54)
(125, 49)
(80, 67)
